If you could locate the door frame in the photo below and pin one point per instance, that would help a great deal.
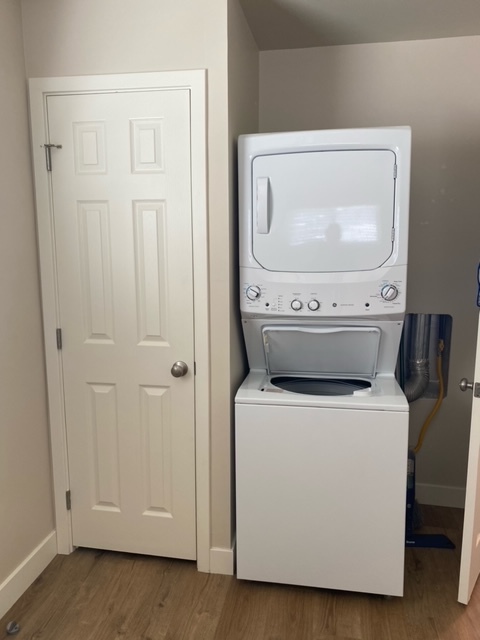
(40, 88)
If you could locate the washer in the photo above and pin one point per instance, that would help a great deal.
(321, 423)
(321, 486)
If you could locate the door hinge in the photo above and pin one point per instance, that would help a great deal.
(394, 171)
(194, 368)
(393, 235)
(59, 339)
(48, 154)
(476, 390)
(68, 499)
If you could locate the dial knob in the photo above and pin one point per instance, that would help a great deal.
(314, 305)
(253, 292)
(389, 292)
(296, 305)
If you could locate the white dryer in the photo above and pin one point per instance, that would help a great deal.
(321, 423)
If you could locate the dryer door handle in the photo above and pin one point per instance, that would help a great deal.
(263, 205)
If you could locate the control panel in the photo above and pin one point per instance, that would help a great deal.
(326, 300)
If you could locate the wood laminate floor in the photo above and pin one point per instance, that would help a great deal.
(92, 595)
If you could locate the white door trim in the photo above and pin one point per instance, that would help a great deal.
(195, 82)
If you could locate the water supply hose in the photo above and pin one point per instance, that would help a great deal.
(441, 391)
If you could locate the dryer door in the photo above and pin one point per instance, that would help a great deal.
(323, 211)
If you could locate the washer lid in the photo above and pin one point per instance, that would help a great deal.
(323, 211)
(326, 350)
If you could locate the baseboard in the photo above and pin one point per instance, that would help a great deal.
(439, 495)
(222, 560)
(27, 572)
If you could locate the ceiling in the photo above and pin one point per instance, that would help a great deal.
(294, 24)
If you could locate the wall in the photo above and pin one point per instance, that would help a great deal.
(433, 87)
(26, 514)
(243, 105)
(87, 37)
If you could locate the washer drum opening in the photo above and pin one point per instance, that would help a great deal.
(319, 386)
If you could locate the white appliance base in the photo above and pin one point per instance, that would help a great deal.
(321, 496)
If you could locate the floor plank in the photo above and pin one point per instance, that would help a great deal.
(101, 595)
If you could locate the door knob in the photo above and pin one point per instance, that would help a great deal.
(179, 369)
(465, 384)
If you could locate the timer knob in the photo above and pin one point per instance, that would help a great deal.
(296, 305)
(314, 305)
(253, 292)
(389, 292)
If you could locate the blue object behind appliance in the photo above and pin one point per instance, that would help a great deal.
(420, 540)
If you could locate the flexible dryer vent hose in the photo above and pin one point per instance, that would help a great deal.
(417, 382)
(418, 379)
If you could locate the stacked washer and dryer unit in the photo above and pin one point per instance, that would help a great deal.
(321, 423)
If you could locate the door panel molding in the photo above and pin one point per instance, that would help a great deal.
(40, 89)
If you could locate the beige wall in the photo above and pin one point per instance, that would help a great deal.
(243, 89)
(87, 37)
(26, 512)
(433, 87)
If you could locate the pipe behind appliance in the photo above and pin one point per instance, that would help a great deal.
(418, 363)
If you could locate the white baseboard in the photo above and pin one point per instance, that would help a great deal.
(222, 561)
(27, 572)
(439, 495)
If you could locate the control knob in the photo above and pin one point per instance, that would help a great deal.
(389, 292)
(314, 305)
(296, 305)
(253, 292)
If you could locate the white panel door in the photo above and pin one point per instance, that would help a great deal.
(470, 560)
(122, 220)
